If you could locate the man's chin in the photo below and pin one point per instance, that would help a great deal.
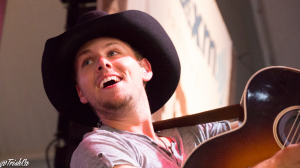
(114, 106)
(114, 109)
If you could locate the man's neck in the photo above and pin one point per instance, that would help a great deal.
(140, 125)
(137, 119)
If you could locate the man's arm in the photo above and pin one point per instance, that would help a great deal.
(234, 124)
(288, 157)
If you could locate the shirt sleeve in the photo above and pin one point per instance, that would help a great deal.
(192, 136)
(209, 130)
(102, 152)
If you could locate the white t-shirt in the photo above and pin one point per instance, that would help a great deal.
(108, 147)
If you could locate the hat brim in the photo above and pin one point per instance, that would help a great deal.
(139, 30)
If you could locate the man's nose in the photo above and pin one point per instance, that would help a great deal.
(104, 63)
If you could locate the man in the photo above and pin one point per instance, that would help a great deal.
(120, 68)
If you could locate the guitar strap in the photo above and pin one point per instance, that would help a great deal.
(224, 113)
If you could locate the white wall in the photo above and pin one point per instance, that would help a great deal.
(205, 68)
(283, 24)
(27, 119)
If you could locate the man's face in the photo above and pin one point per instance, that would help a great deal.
(109, 76)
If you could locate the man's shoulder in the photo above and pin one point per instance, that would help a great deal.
(101, 140)
(101, 148)
(102, 134)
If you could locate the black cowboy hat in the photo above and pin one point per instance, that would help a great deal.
(138, 29)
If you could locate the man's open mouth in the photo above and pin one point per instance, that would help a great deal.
(108, 81)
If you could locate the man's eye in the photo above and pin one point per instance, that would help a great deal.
(87, 62)
(112, 53)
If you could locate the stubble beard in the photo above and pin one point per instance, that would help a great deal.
(113, 110)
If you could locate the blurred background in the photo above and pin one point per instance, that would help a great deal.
(221, 43)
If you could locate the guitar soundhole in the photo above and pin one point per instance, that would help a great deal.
(288, 130)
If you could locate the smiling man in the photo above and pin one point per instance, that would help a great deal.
(120, 69)
(110, 78)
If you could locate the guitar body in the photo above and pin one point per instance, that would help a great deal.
(271, 101)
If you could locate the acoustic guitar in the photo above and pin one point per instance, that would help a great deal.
(270, 121)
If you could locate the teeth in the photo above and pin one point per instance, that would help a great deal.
(115, 78)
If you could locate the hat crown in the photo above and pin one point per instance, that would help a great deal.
(90, 16)
(136, 28)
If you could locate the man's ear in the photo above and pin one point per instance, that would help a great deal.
(146, 69)
(81, 96)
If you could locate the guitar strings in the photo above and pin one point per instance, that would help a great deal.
(297, 141)
(298, 138)
(295, 132)
(291, 129)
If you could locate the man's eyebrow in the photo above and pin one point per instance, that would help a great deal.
(111, 43)
(87, 50)
(82, 53)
